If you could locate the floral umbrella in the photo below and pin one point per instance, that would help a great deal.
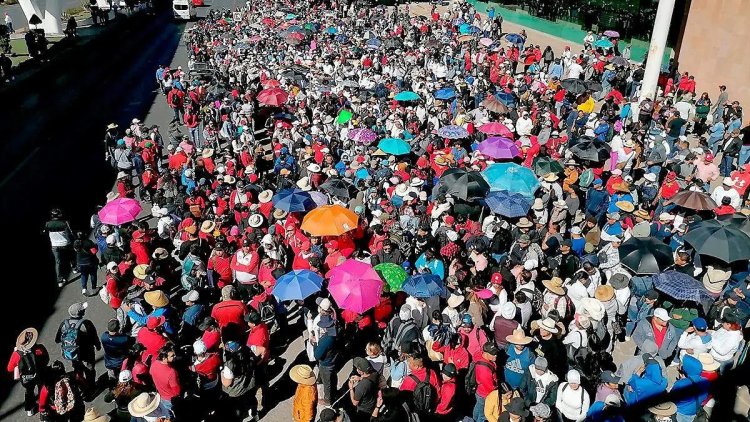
(453, 132)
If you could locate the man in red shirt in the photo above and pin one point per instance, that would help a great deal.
(165, 377)
(334, 257)
(206, 366)
(446, 407)
(259, 337)
(151, 337)
(419, 373)
(229, 313)
(220, 267)
(486, 374)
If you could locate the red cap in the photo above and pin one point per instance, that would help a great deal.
(497, 278)
(709, 157)
(333, 244)
(153, 322)
(422, 162)
(252, 178)
(671, 176)
(449, 219)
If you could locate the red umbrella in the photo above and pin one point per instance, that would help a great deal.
(273, 97)
(496, 128)
(283, 125)
(271, 83)
(298, 36)
(268, 22)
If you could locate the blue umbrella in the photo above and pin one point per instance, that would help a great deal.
(445, 93)
(511, 177)
(293, 200)
(290, 16)
(515, 38)
(506, 98)
(508, 204)
(297, 285)
(331, 30)
(342, 39)
(464, 28)
(394, 146)
(374, 43)
(603, 43)
(681, 286)
(407, 96)
(453, 132)
(423, 285)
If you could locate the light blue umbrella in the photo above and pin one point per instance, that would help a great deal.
(297, 285)
(511, 177)
(603, 43)
(407, 96)
(445, 93)
(331, 30)
(465, 28)
(374, 43)
(394, 146)
(508, 204)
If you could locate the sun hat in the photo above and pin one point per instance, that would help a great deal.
(550, 177)
(524, 223)
(538, 204)
(518, 337)
(27, 339)
(265, 196)
(663, 409)
(548, 324)
(324, 303)
(156, 298)
(708, 362)
(154, 322)
(160, 253)
(555, 286)
(140, 271)
(455, 300)
(625, 206)
(279, 214)
(255, 220)
(208, 226)
(604, 293)
(229, 179)
(619, 281)
(302, 374)
(313, 168)
(401, 190)
(93, 415)
(144, 404)
(304, 184)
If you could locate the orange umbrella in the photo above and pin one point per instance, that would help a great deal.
(329, 220)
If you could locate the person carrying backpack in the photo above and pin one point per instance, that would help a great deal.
(423, 382)
(60, 398)
(77, 338)
(481, 379)
(27, 363)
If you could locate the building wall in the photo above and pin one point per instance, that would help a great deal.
(716, 48)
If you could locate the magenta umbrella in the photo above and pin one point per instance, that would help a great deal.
(499, 147)
(496, 128)
(355, 286)
(120, 211)
(362, 136)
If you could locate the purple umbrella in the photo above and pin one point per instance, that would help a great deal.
(319, 198)
(499, 147)
(362, 136)
(611, 33)
(453, 132)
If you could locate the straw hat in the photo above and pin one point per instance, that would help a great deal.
(93, 415)
(604, 293)
(144, 404)
(548, 324)
(592, 307)
(229, 179)
(708, 362)
(621, 187)
(664, 409)
(302, 374)
(156, 298)
(313, 168)
(304, 184)
(538, 204)
(27, 339)
(550, 177)
(160, 253)
(555, 286)
(524, 223)
(279, 214)
(255, 220)
(455, 300)
(140, 271)
(641, 213)
(518, 337)
(265, 196)
(401, 190)
(208, 227)
(625, 206)
(207, 153)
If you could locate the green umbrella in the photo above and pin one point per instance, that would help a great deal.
(344, 117)
(392, 274)
(544, 165)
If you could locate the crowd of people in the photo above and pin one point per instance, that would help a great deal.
(476, 238)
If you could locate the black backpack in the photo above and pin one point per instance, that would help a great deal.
(27, 367)
(424, 398)
(268, 315)
(471, 377)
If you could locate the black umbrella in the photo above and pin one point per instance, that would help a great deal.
(591, 151)
(574, 86)
(337, 187)
(719, 240)
(738, 221)
(645, 255)
(593, 86)
(544, 165)
(464, 185)
(393, 43)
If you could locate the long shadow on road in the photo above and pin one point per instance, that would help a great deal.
(51, 154)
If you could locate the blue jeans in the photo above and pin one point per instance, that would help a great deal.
(478, 413)
(725, 168)
(194, 134)
(744, 156)
(88, 272)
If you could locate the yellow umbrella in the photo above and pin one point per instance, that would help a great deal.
(329, 220)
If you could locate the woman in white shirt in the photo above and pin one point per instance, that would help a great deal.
(725, 342)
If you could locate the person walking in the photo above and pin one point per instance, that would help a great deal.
(61, 241)
(116, 348)
(28, 363)
(306, 394)
(326, 354)
(77, 338)
(165, 376)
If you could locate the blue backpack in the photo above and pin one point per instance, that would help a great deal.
(69, 339)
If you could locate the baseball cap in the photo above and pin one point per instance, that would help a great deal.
(450, 370)
(541, 363)
(490, 348)
(700, 324)
(362, 364)
(662, 314)
(191, 296)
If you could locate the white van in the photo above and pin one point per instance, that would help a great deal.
(184, 9)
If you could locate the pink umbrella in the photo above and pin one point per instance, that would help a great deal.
(486, 42)
(120, 211)
(355, 286)
(496, 128)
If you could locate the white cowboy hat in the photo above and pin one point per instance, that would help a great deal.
(265, 196)
(255, 220)
(144, 404)
(455, 300)
(304, 184)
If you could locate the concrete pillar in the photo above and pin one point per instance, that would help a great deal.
(49, 11)
(657, 47)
